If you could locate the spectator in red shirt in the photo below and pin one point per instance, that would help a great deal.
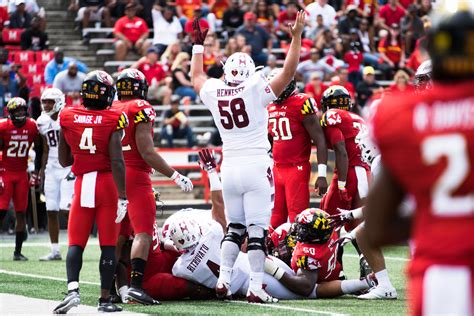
(285, 17)
(3, 18)
(354, 57)
(315, 87)
(188, 27)
(159, 84)
(131, 32)
(391, 52)
(391, 13)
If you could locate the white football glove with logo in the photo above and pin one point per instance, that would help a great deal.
(121, 210)
(183, 182)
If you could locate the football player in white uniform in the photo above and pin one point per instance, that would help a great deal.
(58, 181)
(238, 106)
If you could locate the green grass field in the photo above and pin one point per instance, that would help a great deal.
(47, 280)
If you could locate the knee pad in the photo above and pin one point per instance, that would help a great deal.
(257, 237)
(235, 233)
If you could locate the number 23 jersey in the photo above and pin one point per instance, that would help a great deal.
(240, 113)
(88, 134)
(16, 144)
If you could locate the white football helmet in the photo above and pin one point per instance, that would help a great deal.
(185, 233)
(238, 68)
(57, 96)
(423, 76)
(368, 149)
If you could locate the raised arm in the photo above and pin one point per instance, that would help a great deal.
(198, 76)
(280, 81)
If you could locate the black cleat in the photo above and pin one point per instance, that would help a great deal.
(140, 296)
(71, 300)
(364, 267)
(106, 306)
(19, 257)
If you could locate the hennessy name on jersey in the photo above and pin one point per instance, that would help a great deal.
(444, 115)
(87, 119)
(228, 92)
(198, 258)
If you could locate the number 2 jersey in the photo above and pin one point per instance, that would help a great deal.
(16, 144)
(291, 141)
(138, 111)
(88, 134)
(240, 114)
(427, 143)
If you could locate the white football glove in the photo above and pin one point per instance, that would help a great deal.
(121, 210)
(183, 182)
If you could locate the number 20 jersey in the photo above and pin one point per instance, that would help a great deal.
(88, 133)
(16, 144)
(427, 143)
(291, 141)
(240, 114)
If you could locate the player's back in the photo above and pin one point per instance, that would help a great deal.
(349, 124)
(49, 128)
(427, 143)
(291, 141)
(88, 133)
(240, 114)
(138, 111)
(16, 143)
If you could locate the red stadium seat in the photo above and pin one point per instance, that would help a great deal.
(24, 57)
(44, 56)
(35, 79)
(11, 48)
(73, 102)
(37, 90)
(33, 68)
(11, 55)
(11, 36)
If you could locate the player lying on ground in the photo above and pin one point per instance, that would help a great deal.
(316, 260)
(238, 106)
(58, 180)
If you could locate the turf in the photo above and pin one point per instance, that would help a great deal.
(53, 289)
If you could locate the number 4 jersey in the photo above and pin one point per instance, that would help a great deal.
(88, 133)
(240, 114)
(16, 143)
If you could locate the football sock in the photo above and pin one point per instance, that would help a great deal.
(352, 286)
(229, 252)
(55, 248)
(356, 246)
(73, 263)
(19, 238)
(138, 268)
(383, 279)
(107, 266)
(73, 286)
(256, 280)
(225, 274)
(3, 214)
(256, 256)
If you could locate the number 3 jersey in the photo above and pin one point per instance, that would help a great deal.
(240, 114)
(16, 144)
(49, 128)
(291, 141)
(88, 133)
(320, 257)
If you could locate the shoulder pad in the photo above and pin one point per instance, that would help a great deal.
(122, 121)
(309, 106)
(331, 118)
(144, 115)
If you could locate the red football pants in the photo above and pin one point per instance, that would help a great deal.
(331, 201)
(141, 207)
(104, 213)
(16, 187)
(291, 192)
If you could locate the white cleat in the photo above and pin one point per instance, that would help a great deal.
(260, 296)
(223, 291)
(380, 293)
(51, 257)
(71, 300)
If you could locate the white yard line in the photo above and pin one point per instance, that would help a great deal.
(44, 244)
(386, 258)
(296, 309)
(45, 277)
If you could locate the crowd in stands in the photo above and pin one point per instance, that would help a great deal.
(368, 46)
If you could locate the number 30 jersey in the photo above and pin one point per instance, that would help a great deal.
(291, 141)
(16, 144)
(49, 128)
(240, 114)
(88, 133)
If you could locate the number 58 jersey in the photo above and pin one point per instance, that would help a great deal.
(88, 133)
(240, 114)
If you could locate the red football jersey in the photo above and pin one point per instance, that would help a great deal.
(138, 111)
(16, 143)
(291, 141)
(88, 133)
(321, 257)
(340, 125)
(427, 143)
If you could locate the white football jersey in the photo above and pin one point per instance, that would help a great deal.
(240, 114)
(49, 128)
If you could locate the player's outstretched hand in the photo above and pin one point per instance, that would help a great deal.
(296, 29)
(121, 210)
(183, 182)
(321, 185)
(207, 162)
(198, 35)
(344, 195)
(341, 218)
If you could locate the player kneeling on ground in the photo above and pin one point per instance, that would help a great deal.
(316, 260)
